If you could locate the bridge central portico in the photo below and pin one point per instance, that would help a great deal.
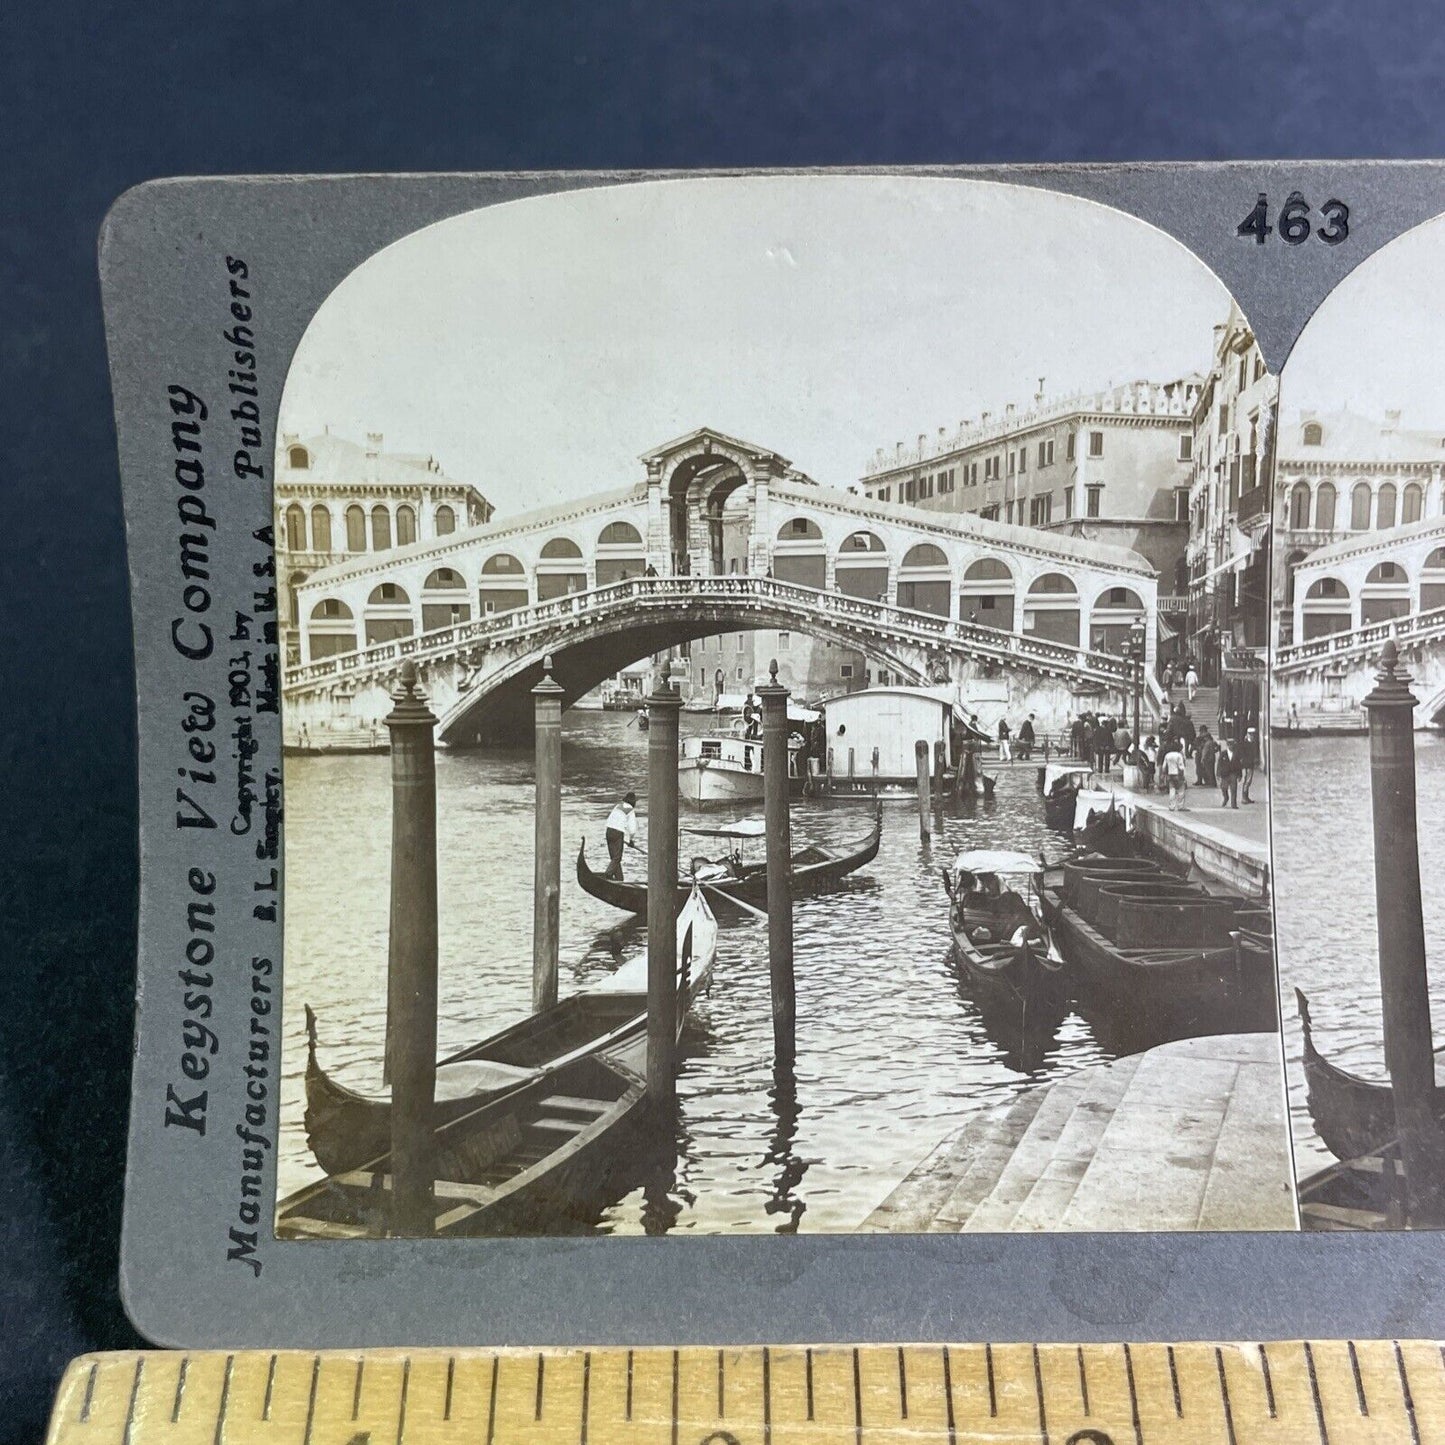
(623, 574)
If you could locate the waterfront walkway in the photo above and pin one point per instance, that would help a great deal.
(1191, 1135)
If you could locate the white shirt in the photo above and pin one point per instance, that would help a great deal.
(623, 819)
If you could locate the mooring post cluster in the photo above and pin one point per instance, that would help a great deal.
(663, 708)
(411, 1047)
(547, 857)
(1404, 978)
(778, 824)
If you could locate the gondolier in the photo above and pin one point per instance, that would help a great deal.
(621, 831)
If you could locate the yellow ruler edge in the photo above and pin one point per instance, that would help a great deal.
(1324, 1392)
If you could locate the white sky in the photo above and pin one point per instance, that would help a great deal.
(537, 348)
(1377, 342)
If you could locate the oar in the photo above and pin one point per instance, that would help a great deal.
(731, 898)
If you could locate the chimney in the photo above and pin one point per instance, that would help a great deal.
(1392, 420)
(373, 443)
(1039, 394)
(984, 422)
(898, 450)
(941, 433)
(922, 437)
(1008, 411)
(289, 438)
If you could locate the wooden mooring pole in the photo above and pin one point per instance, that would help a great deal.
(663, 708)
(778, 822)
(412, 958)
(920, 760)
(1404, 980)
(547, 854)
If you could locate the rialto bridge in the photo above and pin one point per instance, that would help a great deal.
(1346, 599)
(621, 575)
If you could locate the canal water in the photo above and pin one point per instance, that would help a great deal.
(1325, 906)
(893, 1054)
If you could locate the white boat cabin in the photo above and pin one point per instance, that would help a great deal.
(872, 733)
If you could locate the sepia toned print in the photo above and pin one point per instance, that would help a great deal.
(1359, 692)
(707, 812)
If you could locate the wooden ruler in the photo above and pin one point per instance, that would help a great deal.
(1331, 1392)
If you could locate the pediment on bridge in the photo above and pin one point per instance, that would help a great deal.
(705, 441)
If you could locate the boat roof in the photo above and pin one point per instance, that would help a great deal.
(1055, 771)
(743, 828)
(995, 860)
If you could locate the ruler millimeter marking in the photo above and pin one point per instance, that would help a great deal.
(1330, 1392)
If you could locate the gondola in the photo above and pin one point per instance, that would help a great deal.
(1060, 784)
(814, 869)
(1353, 1116)
(345, 1128)
(1364, 1193)
(999, 935)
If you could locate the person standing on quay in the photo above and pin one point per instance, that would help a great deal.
(1205, 752)
(1248, 763)
(1026, 737)
(1227, 767)
(1191, 681)
(1171, 767)
(1005, 753)
(621, 831)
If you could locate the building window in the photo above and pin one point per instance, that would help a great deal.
(1040, 510)
(295, 529)
(1023, 459)
(299, 459)
(1314, 434)
(1095, 501)
(1068, 502)
(1010, 463)
(1223, 418)
(446, 521)
(1186, 446)
(1360, 500)
(1299, 506)
(1325, 507)
(1069, 447)
(1181, 504)
(405, 526)
(1414, 503)
(1046, 453)
(355, 530)
(320, 529)
(380, 529)
(846, 670)
(1096, 443)
(742, 641)
(1385, 512)
(785, 641)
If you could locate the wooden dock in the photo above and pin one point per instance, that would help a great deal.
(1191, 1135)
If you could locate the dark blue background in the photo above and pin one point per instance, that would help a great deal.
(96, 98)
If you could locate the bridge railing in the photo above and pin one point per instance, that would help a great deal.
(903, 623)
(1413, 626)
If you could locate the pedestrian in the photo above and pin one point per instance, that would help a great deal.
(621, 832)
(1085, 750)
(1149, 760)
(1191, 682)
(1104, 743)
(1168, 678)
(1294, 717)
(1026, 737)
(1248, 763)
(1206, 749)
(1076, 736)
(1227, 769)
(752, 717)
(1005, 753)
(1123, 739)
(1171, 767)
(1187, 735)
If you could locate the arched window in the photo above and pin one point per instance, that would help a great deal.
(1314, 434)
(800, 529)
(559, 548)
(331, 629)
(320, 528)
(446, 519)
(444, 602)
(988, 569)
(501, 564)
(355, 530)
(1299, 506)
(388, 614)
(1385, 509)
(863, 542)
(298, 459)
(1385, 572)
(295, 528)
(1052, 584)
(1291, 563)
(388, 594)
(986, 597)
(1360, 500)
(405, 525)
(330, 609)
(1051, 609)
(1325, 507)
(293, 608)
(620, 534)
(1413, 507)
(1116, 610)
(861, 569)
(444, 579)
(1432, 581)
(925, 554)
(924, 584)
(380, 529)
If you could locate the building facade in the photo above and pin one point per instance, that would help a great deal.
(336, 500)
(1345, 482)
(1111, 466)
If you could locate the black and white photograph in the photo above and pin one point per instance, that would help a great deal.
(1357, 711)
(775, 725)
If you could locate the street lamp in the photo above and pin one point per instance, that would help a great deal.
(1136, 656)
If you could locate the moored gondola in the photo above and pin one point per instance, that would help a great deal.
(540, 1155)
(345, 1127)
(999, 935)
(1060, 784)
(1353, 1116)
(814, 869)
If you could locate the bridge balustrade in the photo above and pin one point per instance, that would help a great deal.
(1361, 639)
(902, 624)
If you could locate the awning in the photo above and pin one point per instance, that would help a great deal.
(743, 828)
(995, 860)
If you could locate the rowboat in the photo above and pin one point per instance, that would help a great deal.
(999, 935)
(345, 1128)
(728, 768)
(1155, 963)
(1352, 1115)
(814, 869)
